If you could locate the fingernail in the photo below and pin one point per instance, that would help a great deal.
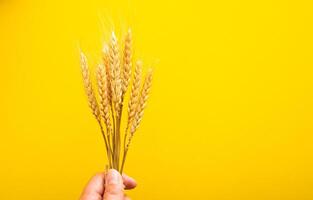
(112, 177)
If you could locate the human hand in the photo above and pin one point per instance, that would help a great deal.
(108, 186)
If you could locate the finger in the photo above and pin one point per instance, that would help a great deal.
(126, 197)
(95, 188)
(114, 188)
(129, 182)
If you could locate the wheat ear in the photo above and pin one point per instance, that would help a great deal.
(104, 108)
(127, 63)
(115, 73)
(103, 96)
(135, 93)
(106, 63)
(116, 87)
(142, 102)
(138, 114)
(88, 87)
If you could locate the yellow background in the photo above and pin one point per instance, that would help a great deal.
(231, 110)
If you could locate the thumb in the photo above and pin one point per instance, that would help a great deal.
(114, 188)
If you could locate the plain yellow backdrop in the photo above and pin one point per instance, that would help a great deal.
(230, 114)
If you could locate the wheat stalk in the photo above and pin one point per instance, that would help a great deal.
(116, 96)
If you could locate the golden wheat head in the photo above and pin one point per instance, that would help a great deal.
(127, 62)
(142, 102)
(115, 73)
(103, 96)
(135, 93)
(106, 63)
(88, 86)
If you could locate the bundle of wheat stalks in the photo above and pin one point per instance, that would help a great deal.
(113, 78)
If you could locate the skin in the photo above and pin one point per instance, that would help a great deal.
(108, 186)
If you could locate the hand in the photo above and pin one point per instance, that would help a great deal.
(108, 186)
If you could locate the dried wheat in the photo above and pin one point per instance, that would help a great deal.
(138, 115)
(106, 63)
(135, 92)
(142, 102)
(127, 63)
(103, 96)
(113, 79)
(115, 73)
(88, 87)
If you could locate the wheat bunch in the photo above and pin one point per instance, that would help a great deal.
(113, 79)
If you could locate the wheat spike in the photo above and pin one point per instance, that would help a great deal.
(135, 92)
(88, 87)
(127, 63)
(106, 62)
(103, 96)
(142, 102)
(116, 85)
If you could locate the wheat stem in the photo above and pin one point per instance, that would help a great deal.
(108, 149)
(113, 137)
(116, 92)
